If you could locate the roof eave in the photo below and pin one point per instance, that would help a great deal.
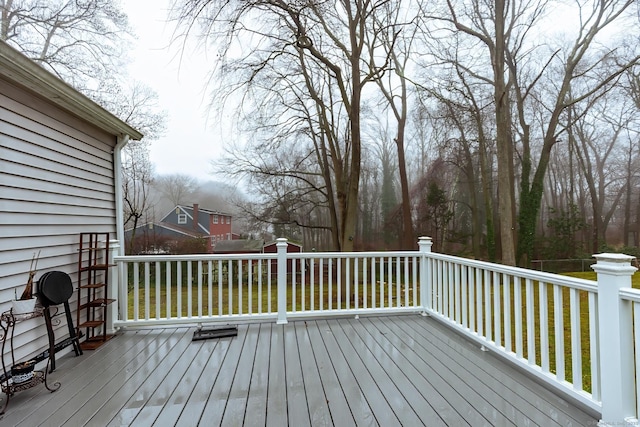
(18, 68)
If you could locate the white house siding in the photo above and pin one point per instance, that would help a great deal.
(56, 180)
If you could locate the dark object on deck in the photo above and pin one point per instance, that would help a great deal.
(203, 334)
(55, 288)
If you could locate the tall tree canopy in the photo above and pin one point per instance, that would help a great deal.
(315, 58)
(496, 86)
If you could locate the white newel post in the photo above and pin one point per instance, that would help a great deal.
(281, 246)
(112, 286)
(424, 245)
(614, 272)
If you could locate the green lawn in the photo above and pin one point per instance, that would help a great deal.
(244, 298)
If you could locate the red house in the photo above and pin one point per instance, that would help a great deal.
(190, 222)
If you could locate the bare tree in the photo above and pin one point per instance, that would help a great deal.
(137, 178)
(80, 41)
(538, 86)
(177, 188)
(397, 40)
(603, 136)
(138, 105)
(325, 43)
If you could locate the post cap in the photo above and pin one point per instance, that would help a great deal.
(614, 258)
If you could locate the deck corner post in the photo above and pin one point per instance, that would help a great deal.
(281, 247)
(424, 245)
(614, 272)
(113, 286)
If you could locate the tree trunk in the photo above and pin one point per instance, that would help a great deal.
(503, 142)
(407, 222)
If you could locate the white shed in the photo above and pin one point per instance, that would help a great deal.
(59, 176)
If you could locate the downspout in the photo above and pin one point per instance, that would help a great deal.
(119, 308)
(117, 168)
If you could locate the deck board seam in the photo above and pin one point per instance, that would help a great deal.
(237, 346)
(118, 402)
(476, 386)
(378, 412)
(540, 400)
(181, 364)
(319, 349)
(190, 407)
(381, 377)
(161, 418)
(388, 363)
(330, 341)
(100, 385)
(437, 380)
(427, 390)
(66, 377)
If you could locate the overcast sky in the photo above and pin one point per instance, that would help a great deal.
(191, 140)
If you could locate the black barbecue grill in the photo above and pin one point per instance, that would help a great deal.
(55, 288)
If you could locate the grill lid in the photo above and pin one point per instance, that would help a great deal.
(55, 288)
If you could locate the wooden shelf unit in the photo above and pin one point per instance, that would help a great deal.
(93, 282)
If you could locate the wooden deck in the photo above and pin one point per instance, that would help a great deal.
(398, 370)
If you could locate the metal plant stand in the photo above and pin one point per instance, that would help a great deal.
(7, 326)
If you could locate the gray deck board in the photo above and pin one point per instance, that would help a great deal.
(297, 408)
(389, 371)
(457, 376)
(354, 395)
(238, 395)
(277, 391)
(153, 380)
(379, 388)
(82, 404)
(341, 412)
(431, 370)
(531, 399)
(257, 398)
(360, 336)
(217, 401)
(172, 409)
(32, 406)
(197, 399)
(113, 394)
(157, 392)
(436, 409)
(316, 399)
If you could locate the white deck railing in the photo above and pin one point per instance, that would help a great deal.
(188, 289)
(550, 325)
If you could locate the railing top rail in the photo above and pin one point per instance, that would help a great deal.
(630, 294)
(557, 279)
(379, 254)
(194, 257)
(270, 255)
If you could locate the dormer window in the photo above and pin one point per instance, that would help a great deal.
(182, 218)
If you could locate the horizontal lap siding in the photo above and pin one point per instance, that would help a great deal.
(56, 180)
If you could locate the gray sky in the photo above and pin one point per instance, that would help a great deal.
(191, 140)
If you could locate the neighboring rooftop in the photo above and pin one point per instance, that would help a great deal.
(238, 246)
